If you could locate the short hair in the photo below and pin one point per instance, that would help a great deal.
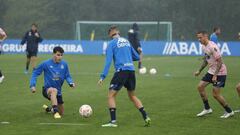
(34, 24)
(135, 27)
(202, 32)
(215, 29)
(58, 49)
(112, 28)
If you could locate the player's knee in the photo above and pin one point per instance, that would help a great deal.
(215, 95)
(132, 98)
(110, 96)
(52, 91)
(200, 87)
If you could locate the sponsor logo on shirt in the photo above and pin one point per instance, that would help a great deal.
(122, 43)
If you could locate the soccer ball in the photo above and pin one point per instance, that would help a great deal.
(143, 70)
(152, 71)
(85, 111)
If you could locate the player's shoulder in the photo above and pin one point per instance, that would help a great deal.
(64, 62)
(213, 35)
(48, 61)
(112, 42)
(212, 44)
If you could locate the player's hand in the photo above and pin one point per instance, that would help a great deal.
(72, 85)
(214, 78)
(36, 34)
(33, 89)
(197, 73)
(100, 82)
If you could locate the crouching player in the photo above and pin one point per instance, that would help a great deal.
(55, 72)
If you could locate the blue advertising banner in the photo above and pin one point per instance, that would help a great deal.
(188, 48)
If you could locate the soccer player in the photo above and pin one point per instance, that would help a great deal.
(215, 34)
(238, 91)
(120, 51)
(32, 37)
(3, 36)
(216, 75)
(55, 72)
(1, 77)
(135, 42)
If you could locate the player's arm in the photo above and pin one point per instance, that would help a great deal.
(204, 64)
(108, 61)
(135, 55)
(219, 65)
(40, 39)
(219, 62)
(24, 39)
(137, 39)
(36, 72)
(68, 77)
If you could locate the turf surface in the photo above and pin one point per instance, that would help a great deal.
(170, 97)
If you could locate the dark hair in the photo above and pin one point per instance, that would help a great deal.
(215, 29)
(112, 28)
(135, 27)
(34, 24)
(202, 32)
(58, 49)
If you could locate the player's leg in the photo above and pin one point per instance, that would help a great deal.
(139, 49)
(130, 84)
(138, 104)
(112, 104)
(61, 109)
(217, 95)
(1, 77)
(112, 108)
(1, 50)
(60, 105)
(115, 85)
(47, 108)
(34, 61)
(238, 89)
(28, 54)
(1, 73)
(52, 93)
(201, 89)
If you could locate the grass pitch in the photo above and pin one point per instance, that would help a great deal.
(170, 97)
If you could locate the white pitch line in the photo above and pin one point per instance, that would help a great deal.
(5, 122)
(65, 124)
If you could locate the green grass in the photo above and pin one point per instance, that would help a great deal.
(172, 102)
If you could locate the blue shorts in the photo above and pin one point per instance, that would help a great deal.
(123, 78)
(59, 98)
(221, 79)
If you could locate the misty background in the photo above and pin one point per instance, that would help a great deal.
(57, 18)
